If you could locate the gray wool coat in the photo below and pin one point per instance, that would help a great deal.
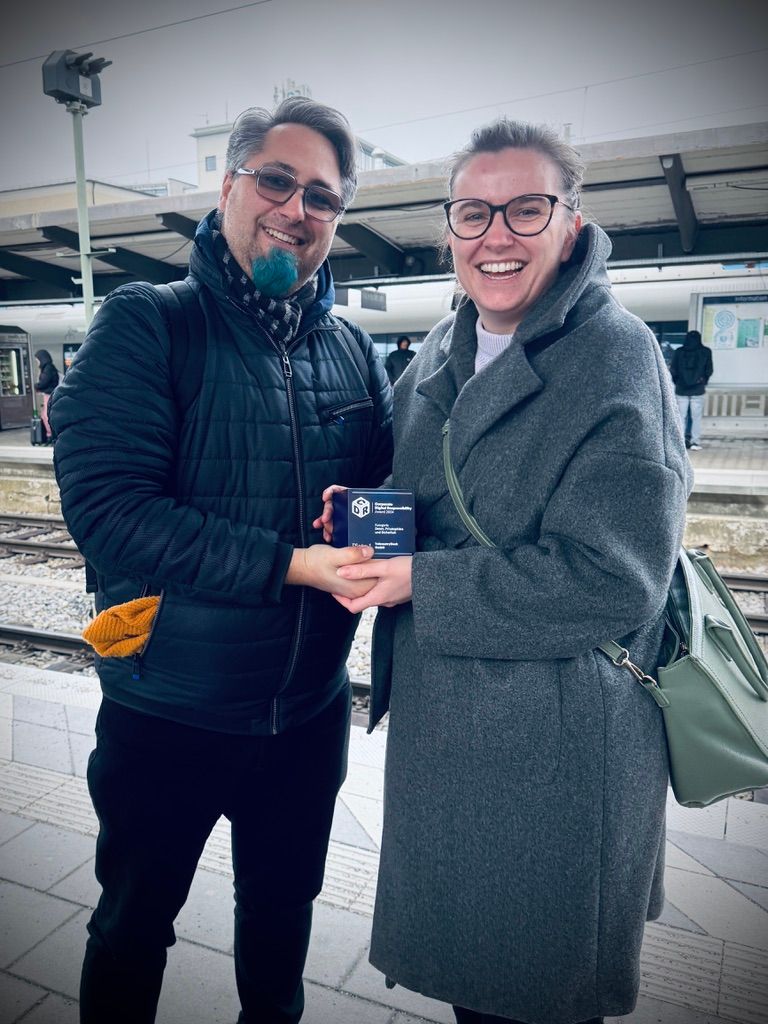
(526, 776)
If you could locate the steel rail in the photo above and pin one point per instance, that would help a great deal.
(11, 519)
(26, 547)
(40, 639)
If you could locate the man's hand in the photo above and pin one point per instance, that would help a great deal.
(316, 566)
(390, 579)
(324, 521)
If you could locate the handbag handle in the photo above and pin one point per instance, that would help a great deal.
(618, 655)
(723, 636)
(757, 671)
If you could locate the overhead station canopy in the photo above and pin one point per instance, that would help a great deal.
(692, 196)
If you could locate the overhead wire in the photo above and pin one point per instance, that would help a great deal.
(144, 31)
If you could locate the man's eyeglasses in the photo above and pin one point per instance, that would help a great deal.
(523, 215)
(278, 186)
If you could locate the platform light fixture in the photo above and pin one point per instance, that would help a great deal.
(73, 79)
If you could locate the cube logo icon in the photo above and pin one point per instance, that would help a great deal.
(361, 507)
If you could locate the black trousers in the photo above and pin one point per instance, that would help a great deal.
(473, 1017)
(158, 788)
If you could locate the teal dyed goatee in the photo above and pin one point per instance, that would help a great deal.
(276, 274)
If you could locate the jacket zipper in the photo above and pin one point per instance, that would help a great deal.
(136, 667)
(283, 351)
(293, 656)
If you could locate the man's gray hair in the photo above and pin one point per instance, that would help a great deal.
(251, 127)
(506, 134)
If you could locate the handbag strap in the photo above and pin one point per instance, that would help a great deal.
(619, 655)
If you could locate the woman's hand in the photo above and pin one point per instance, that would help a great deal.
(324, 521)
(316, 566)
(390, 580)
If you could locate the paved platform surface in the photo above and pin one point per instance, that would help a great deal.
(705, 961)
(724, 465)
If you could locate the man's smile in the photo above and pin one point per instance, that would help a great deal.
(281, 236)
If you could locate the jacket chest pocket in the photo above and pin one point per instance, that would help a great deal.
(357, 409)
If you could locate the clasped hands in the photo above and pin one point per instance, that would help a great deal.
(352, 575)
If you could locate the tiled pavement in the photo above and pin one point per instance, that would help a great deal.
(704, 962)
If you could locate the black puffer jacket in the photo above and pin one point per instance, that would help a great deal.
(691, 366)
(207, 504)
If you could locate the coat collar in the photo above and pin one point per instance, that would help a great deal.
(475, 402)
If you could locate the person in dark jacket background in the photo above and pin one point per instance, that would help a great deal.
(48, 379)
(239, 702)
(691, 369)
(398, 360)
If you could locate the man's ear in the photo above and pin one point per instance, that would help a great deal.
(570, 238)
(226, 187)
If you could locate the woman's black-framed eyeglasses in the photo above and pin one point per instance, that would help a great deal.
(524, 215)
(279, 186)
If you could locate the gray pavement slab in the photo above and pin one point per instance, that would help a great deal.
(39, 712)
(82, 720)
(42, 746)
(676, 919)
(12, 825)
(339, 941)
(27, 918)
(80, 748)
(347, 829)
(756, 893)
(17, 997)
(55, 962)
(43, 855)
(208, 915)
(326, 1006)
(54, 1010)
(80, 886)
(722, 857)
(366, 981)
(198, 987)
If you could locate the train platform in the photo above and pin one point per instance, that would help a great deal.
(704, 961)
(723, 466)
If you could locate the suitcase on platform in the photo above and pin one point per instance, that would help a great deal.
(36, 431)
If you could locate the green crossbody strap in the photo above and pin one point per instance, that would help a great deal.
(454, 488)
(619, 655)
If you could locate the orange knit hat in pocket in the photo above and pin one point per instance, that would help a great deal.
(123, 629)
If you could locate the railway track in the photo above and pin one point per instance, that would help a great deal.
(37, 536)
(28, 533)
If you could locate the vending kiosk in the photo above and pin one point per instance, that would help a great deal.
(17, 399)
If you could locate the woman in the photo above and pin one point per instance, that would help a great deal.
(526, 774)
(48, 379)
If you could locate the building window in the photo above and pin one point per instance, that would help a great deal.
(210, 163)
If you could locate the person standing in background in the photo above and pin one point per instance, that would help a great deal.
(691, 369)
(48, 379)
(398, 360)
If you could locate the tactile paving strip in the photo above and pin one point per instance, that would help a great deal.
(682, 968)
(63, 800)
(744, 984)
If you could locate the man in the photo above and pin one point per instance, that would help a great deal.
(398, 359)
(238, 703)
(691, 369)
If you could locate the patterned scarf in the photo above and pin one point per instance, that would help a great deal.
(280, 318)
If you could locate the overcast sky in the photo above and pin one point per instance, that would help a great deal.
(413, 76)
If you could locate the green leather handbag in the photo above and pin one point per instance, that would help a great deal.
(712, 685)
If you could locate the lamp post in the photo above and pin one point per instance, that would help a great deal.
(73, 79)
